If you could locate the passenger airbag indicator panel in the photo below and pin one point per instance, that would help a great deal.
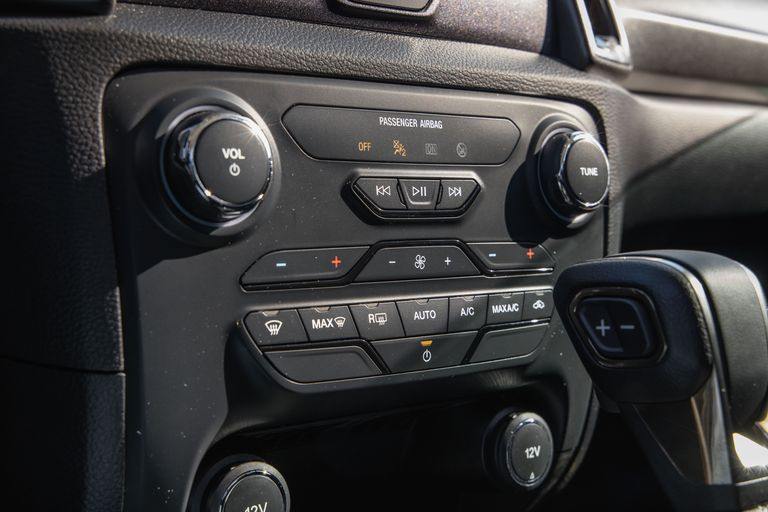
(331, 133)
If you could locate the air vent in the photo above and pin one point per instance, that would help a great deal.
(606, 39)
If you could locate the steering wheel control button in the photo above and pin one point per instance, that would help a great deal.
(427, 316)
(424, 353)
(505, 307)
(503, 256)
(323, 364)
(400, 137)
(506, 343)
(382, 192)
(275, 327)
(417, 262)
(250, 486)
(420, 194)
(617, 327)
(538, 305)
(527, 449)
(378, 321)
(331, 323)
(218, 166)
(455, 193)
(303, 265)
(574, 173)
(467, 313)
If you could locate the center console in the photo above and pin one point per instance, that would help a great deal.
(299, 254)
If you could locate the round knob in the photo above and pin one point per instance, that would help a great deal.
(218, 166)
(252, 486)
(574, 173)
(525, 450)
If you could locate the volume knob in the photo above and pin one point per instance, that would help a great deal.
(574, 174)
(218, 166)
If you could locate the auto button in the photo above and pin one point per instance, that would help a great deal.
(424, 316)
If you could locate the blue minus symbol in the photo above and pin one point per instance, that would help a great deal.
(491, 254)
(281, 265)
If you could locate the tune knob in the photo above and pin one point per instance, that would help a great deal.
(574, 174)
(218, 166)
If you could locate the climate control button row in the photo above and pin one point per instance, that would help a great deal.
(389, 320)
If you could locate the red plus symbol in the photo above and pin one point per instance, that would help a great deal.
(336, 262)
(530, 254)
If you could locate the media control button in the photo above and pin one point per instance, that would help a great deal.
(538, 304)
(323, 364)
(467, 313)
(382, 192)
(377, 321)
(420, 194)
(455, 193)
(500, 256)
(505, 343)
(424, 353)
(424, 316)
(417, 262)
(303, 265)
(330, 323)
(274, 327)
(505, 308)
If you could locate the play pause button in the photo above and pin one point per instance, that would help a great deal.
(420, 194)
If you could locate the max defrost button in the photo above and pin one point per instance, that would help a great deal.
(378, 321)
(382, 192)
(333, 323)
(273, 327)
(424, 316)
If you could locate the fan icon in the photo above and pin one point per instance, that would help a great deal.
(420, 262)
